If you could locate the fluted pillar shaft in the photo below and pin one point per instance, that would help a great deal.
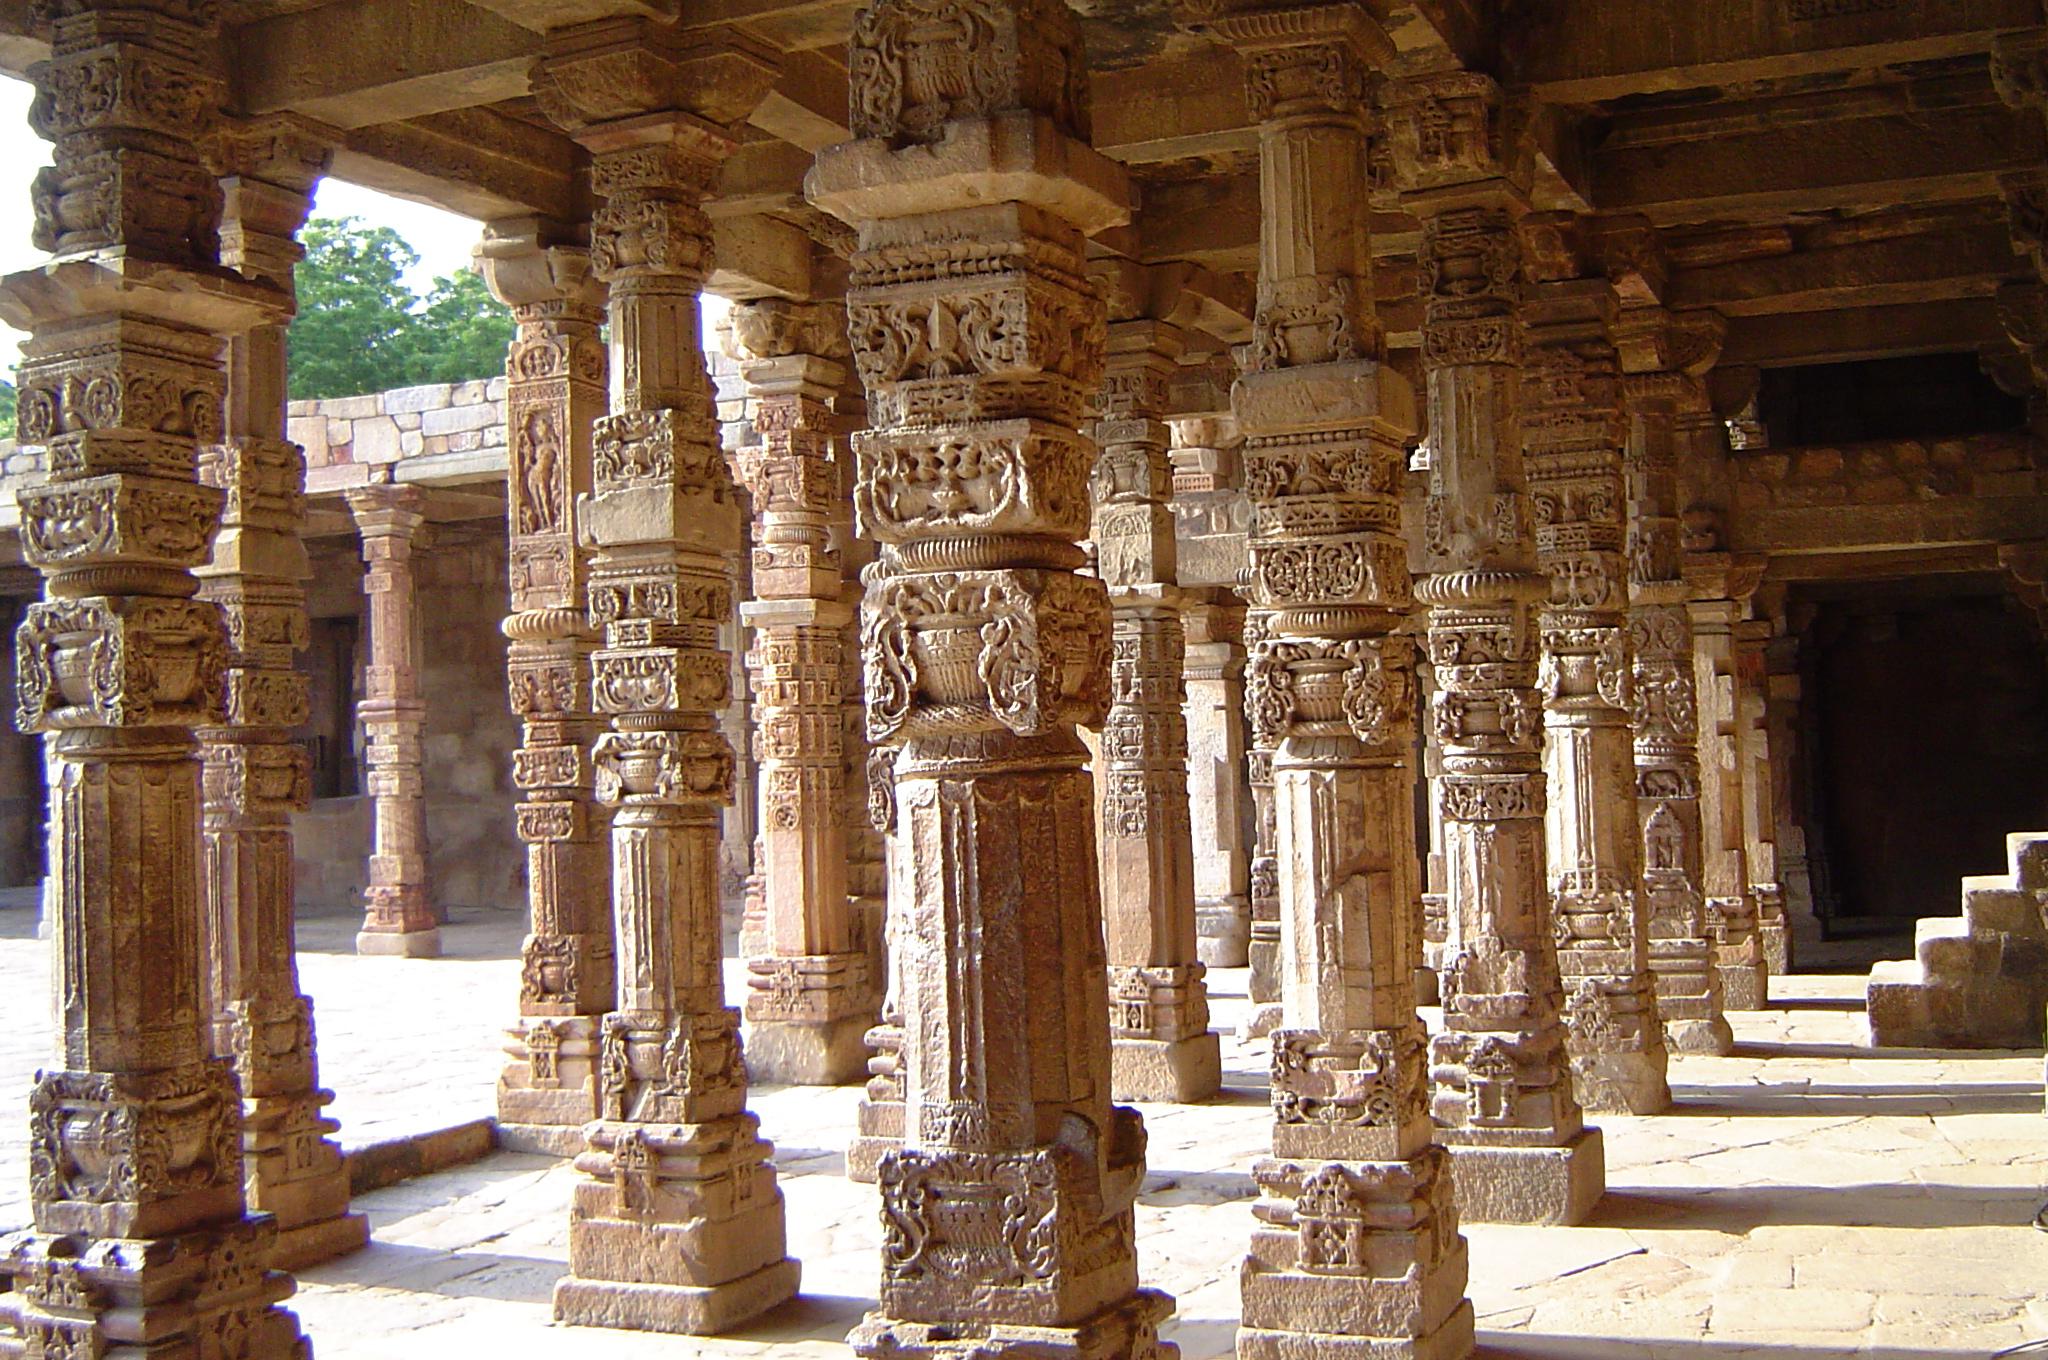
(1356, 1248)
(980, 341)
(1160, 1044)
(256, 777)
(1503, 1096)
(398, 909)
(1662, 357)
(1573, 430)
(141, 1241)
(811, 995)
(677, 1224)
(554, 392)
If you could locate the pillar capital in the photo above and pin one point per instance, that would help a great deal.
(387, 509)
(1448, 138)
(540, 269)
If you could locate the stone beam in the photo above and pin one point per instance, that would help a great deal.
(1582, 51)
(20, 48)
(1170, 109)
(431, 56)
(807, 107)
(1966, 261)
(1785, 340)
(1933, 141)
(476, 162)
(1874, 532)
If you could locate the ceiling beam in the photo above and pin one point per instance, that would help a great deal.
(1969, 261)
(1787, 339)
(1584, 51)
(476, 162)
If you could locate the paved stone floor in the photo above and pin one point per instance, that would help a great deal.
(1807, 1198)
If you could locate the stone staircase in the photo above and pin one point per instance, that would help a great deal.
(1979, 980)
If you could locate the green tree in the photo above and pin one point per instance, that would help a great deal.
(361, 327)
(461, 331)
(6, 409)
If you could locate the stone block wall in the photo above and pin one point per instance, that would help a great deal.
(437, 421)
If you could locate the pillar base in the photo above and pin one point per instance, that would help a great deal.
(1547, 1185)
(1452, 1341)
(1125, 1331)
(198, 1293)
(309, 1244)
(808, 1053)
(1183, 1071)
(1223, 932)
(545, 1140)
(1262, 1020)
(407, 944)
(687, 1309)
(1262, 954)
(1710, 1036)
(1621, 1083)
(1745, 986)
(1777, 946)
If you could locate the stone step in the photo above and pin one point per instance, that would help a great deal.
(1945, 947)
(2027, 853)
(1991, 903)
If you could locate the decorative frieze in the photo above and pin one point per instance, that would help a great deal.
(1008, 1205)
(677, 1224)
(555, 375)
(141, 1238)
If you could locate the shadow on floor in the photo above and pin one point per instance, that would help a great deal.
(468, 933)
(1164, 1188)
(1510, 1346)
(1768, 1049)
(1738, 1209)
(1807, 1101)
(809, 1161)
(1816, 1003)
(462, 1274)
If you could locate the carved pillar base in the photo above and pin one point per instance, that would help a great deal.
(878, 1123)
(808, 1017)
(1618, 1059)
(678, 1229)
(292, 1168)
(1160, 1045)
(1127, 1329)
(548, 1089)
(404, 944)
(1357, 1251)
(1689, 996)
(1771, 929)
(1739, 954)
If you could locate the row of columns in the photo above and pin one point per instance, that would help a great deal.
(1020, 886)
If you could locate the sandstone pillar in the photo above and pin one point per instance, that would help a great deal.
(398, 913)
(1664, 356)
(1008, 1208)
(1573, 431)
(1262, 942)
(1503, 1098)
(1759, 813)
(1731, 904)
(1357, 1249)
(811, 997)
(1219, 795)
(1787, 797)
(554, 391)
(255, 777)
(1161, 1047)
(677, 1225)
(141, 1243)
(878, 1121)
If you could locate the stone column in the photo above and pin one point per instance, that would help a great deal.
(1008, 1209)
(1218, 794)
(1573, 431)
(1787, 795)
(1262, 942)
(677, 1224)
(1160, 1044)
(1356, 1250)
(810, 998)
(398, 913)
(1503, 1098)
(255, 777)
(1731, 905)
(554, 391)
(1759, 813)
(1663, 356)
(141, 1242)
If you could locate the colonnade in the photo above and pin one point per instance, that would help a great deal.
(1591, 714)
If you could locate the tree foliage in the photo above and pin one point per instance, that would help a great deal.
(6, 409)
(362, 328)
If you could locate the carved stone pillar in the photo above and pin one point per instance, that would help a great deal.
(1732, 911)
(398, 912)
(1503, 1098)
(1218, 795)
(1759, 813)
(1573, 430)
(554, 391)
(1160, 1044)
(1356, 1249)
(1008, 1207)
(1262, 945)
(677, 1225)
(255, 777)
(811, 997)
(141, 1243)
(1664, 356)
(878, 1121)
(1787, 794)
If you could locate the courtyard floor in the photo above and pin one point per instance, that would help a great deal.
(1806, 1197)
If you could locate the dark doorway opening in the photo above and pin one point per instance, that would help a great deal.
(1924, 721)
